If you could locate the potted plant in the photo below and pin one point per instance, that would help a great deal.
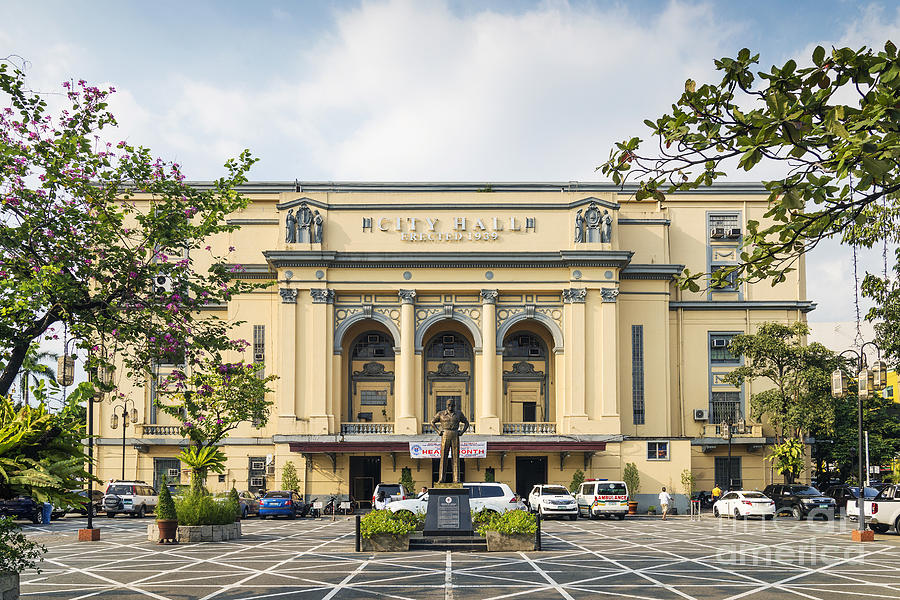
(651, 510)
(513, 531)
(166, 517)
(17, 554)
(384, 531)
(633, 481)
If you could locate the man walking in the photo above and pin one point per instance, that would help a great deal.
(664, 500)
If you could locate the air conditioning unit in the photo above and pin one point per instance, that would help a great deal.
(373, 339)
(449, 352)
(259, 357)
(448, 339)
(717, 233)
(174, 473)
(734, 232)
(701, 414)
(534, 352)
(257, 465)
(257, 482)
(720, 343)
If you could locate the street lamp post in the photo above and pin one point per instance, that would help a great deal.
(868, 381)
(127, 415)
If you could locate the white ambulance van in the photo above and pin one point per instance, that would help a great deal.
(601, 497)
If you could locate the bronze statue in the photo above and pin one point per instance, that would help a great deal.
(447, 424)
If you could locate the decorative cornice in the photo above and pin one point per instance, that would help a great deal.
(243, 222)
(609, 294)
(489, 296)
(635, 221)
(651, 271)
(288, 296)
(493, 260)
(322, 295)
(801, 305)
(407, 296)
(574, 295)
(251, 271)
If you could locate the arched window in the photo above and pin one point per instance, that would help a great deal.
(371, 377)
(372, 344)
(448, 345)
(449, 369)
(524, 345)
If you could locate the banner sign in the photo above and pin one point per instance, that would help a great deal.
(433, 449)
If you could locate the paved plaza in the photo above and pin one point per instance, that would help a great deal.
(313, 558)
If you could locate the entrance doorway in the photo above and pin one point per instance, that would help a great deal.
(435, 465)
(530, 471)
(365, 473)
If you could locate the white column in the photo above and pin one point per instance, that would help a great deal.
(488, 420)
(287, 352)
(405, 421)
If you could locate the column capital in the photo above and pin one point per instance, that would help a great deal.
(322, 295)
(407, 296)
(288, 296)
(489, 296)
(574, 295)
(609, 294)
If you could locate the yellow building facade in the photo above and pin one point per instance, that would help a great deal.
(548, 312)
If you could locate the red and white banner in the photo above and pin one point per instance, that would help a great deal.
(433, 449)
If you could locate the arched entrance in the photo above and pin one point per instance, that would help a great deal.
(369, 376)
(527, 376)
(449, 372)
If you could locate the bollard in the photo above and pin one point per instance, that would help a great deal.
(358, 548)
(537, 541)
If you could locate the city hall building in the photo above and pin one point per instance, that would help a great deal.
(548, 312)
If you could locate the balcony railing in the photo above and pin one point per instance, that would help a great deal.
(162, 430)
(529, 428)
(722, 412)
(362, 428)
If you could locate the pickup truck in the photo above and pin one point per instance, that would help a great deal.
(882, 512)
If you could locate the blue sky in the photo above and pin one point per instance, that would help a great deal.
(405, 90)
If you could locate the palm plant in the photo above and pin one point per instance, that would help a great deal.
(33, 368)
(201, 460)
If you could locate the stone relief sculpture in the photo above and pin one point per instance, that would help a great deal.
(317, 228)
(593, 226)
(290, 228)
(579, 227)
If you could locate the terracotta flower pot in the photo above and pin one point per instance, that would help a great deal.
(632, 507)
(168, 531)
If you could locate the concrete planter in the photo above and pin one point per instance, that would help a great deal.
(198, 533)
(385, 542)
(501, 542)
(9, 585)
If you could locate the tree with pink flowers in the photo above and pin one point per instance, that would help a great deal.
(82, 247)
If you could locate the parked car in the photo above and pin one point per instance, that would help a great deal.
(882, 511)
(81, 509)
(745, 503)
(248, 502)
(496, 497)
(800, 500)
(25, 507)
(134, 498)
(552, 500)
(602, 498)
(280, 502)
(842, 493)
(393, 490)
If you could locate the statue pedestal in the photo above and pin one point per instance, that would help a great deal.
(448, 511)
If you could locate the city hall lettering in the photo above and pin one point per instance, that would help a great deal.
(457, 229)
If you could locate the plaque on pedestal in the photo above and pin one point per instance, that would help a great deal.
(448, 512)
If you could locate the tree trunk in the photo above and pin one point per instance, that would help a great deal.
(13, 366)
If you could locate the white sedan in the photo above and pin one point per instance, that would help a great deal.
(744, 503)
(497, 497)
(550, 500)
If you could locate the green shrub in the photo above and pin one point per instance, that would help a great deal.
(203, 509)
(632, 478)
(233, 497)
(384, 521)
(17, 553)
(165, 509)
(577, 480)
(512, 522)
(489, 475)
(406, 480)
(481, 517)
(289, 479)
(417, 520)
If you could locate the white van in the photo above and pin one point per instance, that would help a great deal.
(598, 497)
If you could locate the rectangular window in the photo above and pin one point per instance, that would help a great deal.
(718, 350)
(637, 374)
(373, 397)
(726, 407)
(259, 348)
(657, 450)
(529, 412)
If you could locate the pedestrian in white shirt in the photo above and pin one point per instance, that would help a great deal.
(664, 500)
